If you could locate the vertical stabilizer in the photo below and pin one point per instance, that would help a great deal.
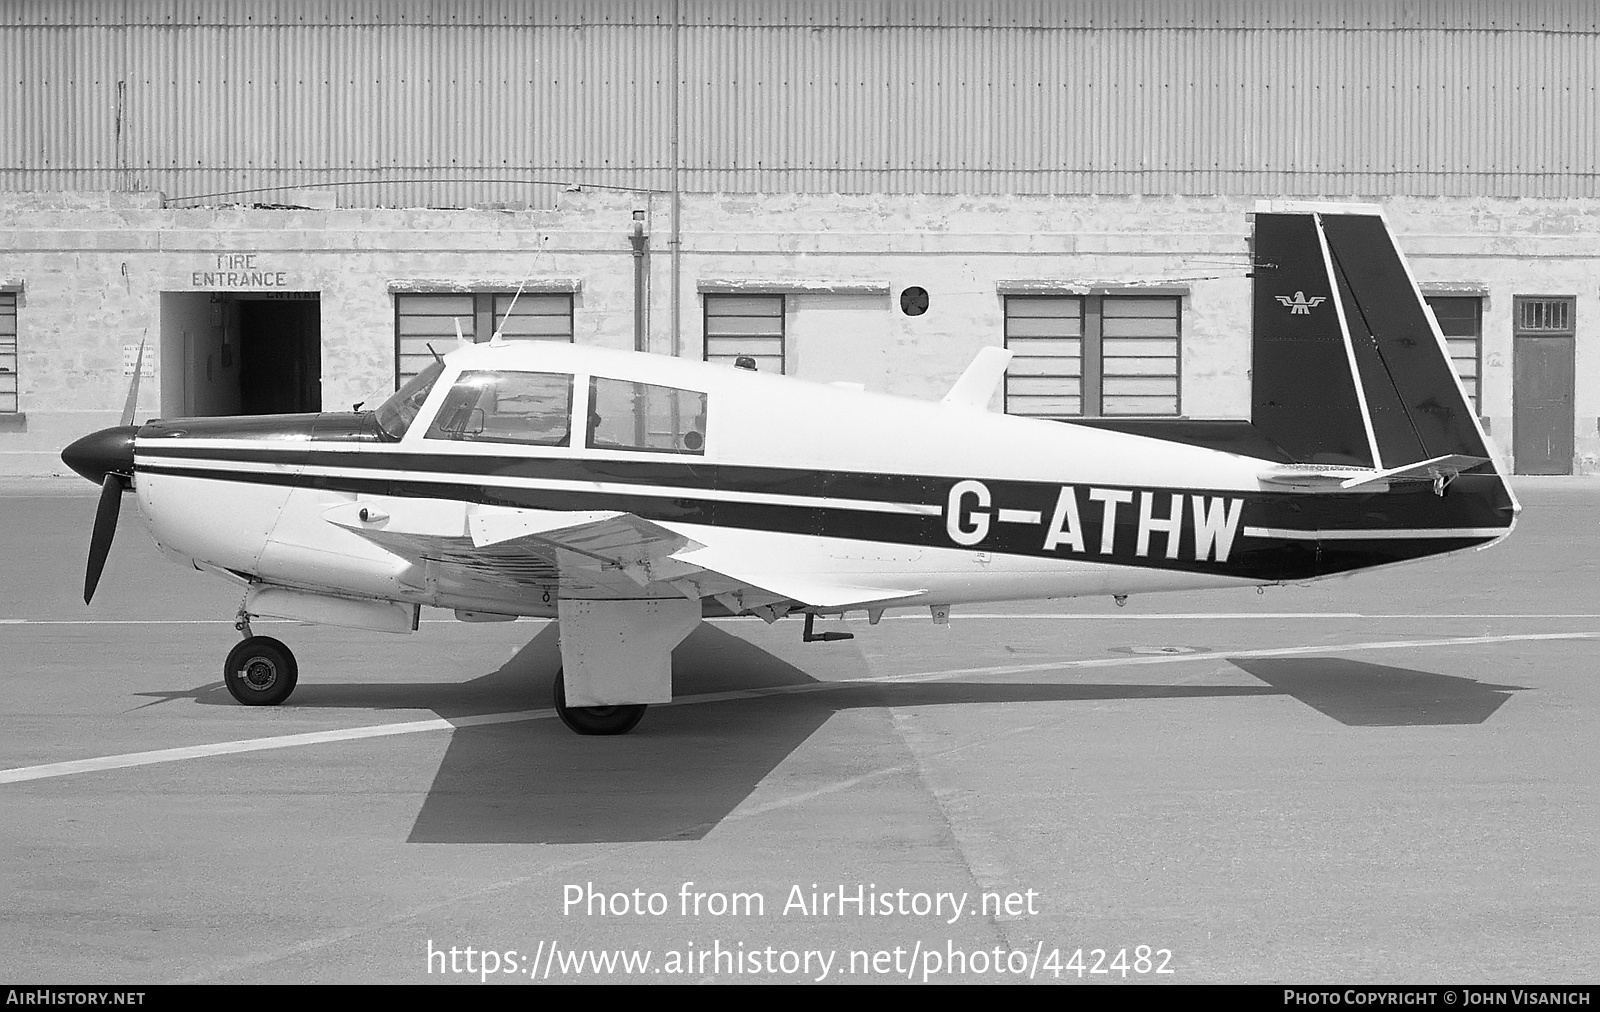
(1349, 367)
(1303, 393)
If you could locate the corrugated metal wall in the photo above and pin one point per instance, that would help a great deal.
(195, 97)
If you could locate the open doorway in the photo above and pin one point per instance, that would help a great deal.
(280, 354)
(240, 353)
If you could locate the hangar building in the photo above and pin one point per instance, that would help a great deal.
(284, 203)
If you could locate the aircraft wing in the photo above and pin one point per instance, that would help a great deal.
(504, 553)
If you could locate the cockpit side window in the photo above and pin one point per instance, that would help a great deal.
(624, 415)
(395, 415)
(507, 407)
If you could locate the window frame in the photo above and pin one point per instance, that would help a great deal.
(1092, 374)
(1520, 329)
(1006, 338)
(1476, 393)
(592, 397)
(13, 367)
(708, 299)
(463, 377)
(484, 319)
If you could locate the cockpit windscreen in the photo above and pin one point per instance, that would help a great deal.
(396, 414)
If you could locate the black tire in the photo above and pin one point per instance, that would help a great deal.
(260, 671)
(595, 719)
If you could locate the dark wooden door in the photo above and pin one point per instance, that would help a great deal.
(1542, 434)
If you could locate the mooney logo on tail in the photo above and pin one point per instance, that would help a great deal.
(1300, 305)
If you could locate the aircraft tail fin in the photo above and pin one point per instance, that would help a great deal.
(1349, 367)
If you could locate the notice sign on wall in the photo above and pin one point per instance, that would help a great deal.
(131, 361)
(238, 270)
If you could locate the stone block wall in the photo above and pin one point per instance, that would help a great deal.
(90, 270)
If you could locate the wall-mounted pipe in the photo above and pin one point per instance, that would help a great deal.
(641, 254)
(676, 242)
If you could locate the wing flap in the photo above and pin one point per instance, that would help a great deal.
(806, 588)
(638, 548)
(592, 551)
(821, 594)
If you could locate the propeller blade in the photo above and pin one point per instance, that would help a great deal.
(133, 388)
(105, 528)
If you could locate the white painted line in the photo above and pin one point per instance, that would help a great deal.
(219, 621)
(1120, 616)
(168, 755)
(1376, 534)
(139, 621)
(127, 760)
(1210, 616)
(1215, 655)
(1203, 616)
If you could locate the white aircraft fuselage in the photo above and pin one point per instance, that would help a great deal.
(948, 504)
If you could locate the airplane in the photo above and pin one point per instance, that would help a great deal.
(629, 496)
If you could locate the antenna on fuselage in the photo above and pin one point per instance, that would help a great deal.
(499, 331)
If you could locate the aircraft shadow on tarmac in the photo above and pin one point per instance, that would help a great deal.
(1359, 694)
(686, 767)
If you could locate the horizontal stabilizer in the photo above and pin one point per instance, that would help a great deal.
(1423, 470)
(977, 385)
(1330, 478)
(1314, 476)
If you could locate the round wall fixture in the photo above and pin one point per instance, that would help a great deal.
(914, 301)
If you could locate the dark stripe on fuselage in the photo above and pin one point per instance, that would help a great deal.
(1471, 504)
(1475, 500)
(908, 488)
(332, 427)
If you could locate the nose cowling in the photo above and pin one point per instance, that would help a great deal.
(109, 451)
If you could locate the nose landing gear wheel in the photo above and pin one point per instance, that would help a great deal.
(260, 671)
(595, 719)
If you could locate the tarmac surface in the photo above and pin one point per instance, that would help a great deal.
(1391, 778)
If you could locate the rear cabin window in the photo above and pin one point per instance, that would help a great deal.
(624, 415)
(534, 408)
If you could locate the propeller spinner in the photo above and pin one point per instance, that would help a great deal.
(106, 458)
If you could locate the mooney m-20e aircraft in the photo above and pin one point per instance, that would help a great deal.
(631, 495)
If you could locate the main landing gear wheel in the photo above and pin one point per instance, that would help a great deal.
(595, 719)
(260, 671)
